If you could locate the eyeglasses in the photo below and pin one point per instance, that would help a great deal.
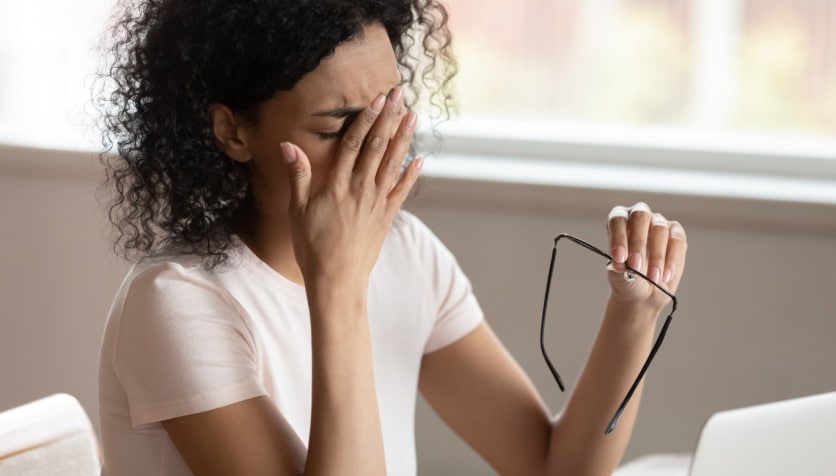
(630, 275)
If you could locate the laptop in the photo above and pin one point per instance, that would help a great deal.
(788, 438)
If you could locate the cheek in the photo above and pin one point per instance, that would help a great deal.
(271, 169)
(321, 154)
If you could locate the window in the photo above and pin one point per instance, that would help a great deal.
(46, 66)
(750, 76)
(731, 66)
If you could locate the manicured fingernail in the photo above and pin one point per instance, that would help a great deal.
(419, 164)
(411, 120)
(635, 261)
(620, 254)
(289, 152)
(654, 274)
(396, 94)
(377, 104)
(676, 230)
(668, 275)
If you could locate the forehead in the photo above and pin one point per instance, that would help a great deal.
(356, 73)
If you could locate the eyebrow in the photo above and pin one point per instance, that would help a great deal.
(340, 112)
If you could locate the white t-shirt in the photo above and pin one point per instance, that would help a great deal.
(181, 340)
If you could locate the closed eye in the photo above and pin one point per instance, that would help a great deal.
(337, 134)
(330, 135)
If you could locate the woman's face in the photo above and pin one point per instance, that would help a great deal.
(313, 114)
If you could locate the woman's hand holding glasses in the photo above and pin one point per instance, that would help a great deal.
(646, 259)
(643, 241)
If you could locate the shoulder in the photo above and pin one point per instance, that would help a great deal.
(177, 276)
(405, 222)
(415, 241)
(168, 282)
(151, 276)
(177, 343)
(414, 233)
(178, 310)
(160, 296)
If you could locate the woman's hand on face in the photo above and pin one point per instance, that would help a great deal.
(649, 243)
(338, 230)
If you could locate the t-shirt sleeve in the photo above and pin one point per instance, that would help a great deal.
(182, 347)
(457, 312)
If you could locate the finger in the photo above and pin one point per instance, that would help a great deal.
(352, 141)
(377, 141)
(638, 226)
(401, 190)
(675, 259)
(617, 231)
(392, 163)
(657, 246)
(298, 174)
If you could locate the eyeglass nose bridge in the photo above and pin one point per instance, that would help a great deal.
(656, 345)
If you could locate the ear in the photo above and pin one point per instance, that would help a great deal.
(230, 135)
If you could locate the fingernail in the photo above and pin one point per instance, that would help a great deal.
(396, 94)
(668, 275)
(377, 104)
(411, 120)
(289, 152)
(654, 274)
(676, 230)
(620, 254)
(635, 261)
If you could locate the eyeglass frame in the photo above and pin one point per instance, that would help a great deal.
(629, 274)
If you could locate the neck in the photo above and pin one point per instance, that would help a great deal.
(269, 239)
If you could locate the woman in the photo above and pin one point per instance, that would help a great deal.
(284, 311)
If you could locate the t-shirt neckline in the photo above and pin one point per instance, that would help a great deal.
(254, 263)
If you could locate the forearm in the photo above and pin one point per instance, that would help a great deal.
(345, 435)
(578, 444)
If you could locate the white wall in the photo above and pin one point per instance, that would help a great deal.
(756, 320)
(58, 276)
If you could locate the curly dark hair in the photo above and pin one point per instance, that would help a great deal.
(170, 185)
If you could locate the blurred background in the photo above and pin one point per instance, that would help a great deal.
(748, 66)
(719, 113)
(744, 65)
(756, 66)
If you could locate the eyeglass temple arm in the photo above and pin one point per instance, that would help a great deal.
(581, 242)
(543, 322)
(654, 349)
(639, 377)
(546, 301)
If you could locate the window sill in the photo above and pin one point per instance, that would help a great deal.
(653, 180)
(722, 198)
(731, 179)
(770, 202)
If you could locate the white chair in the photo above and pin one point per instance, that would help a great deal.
(49, 436)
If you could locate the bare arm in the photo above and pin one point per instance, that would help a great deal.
(252, 437)
(620, 348)
(481, 392)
